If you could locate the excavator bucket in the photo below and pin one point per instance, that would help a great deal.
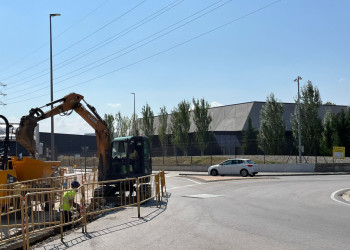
(25, 133)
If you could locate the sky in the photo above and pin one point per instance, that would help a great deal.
(226, 52)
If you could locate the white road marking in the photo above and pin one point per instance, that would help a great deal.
(334, 193)
(203, 196)
(182, 186)
(199, 183)
(191, 185)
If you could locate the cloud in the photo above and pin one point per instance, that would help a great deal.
(72, 124)
(215, 104)
(211, 105)
(341, 80)
(114, 105)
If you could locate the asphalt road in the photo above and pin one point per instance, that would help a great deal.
(268, 212)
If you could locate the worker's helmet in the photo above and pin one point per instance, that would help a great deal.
(75, 184)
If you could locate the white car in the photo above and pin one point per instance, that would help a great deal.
(244, 167)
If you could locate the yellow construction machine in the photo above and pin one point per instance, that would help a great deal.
(17, 168)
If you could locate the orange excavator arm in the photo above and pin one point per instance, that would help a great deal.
(25, 131)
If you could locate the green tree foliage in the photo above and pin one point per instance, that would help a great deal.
(180, 125)
(137, 125)
(250, 145)
(123, 125)
(327, 133)
(336, 131)
(202, 120)
(163, 128)
(311, 124)
(271, 135)
(109, 119)
(147, 122)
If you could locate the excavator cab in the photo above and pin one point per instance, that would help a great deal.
(130, 157)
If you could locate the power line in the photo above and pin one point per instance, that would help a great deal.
(133, 49)
(161, 52)
(99, 29)
(96, 47)
(45, 44)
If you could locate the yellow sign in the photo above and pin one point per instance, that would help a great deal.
(338, 152)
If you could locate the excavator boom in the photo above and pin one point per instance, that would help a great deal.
(25, 131)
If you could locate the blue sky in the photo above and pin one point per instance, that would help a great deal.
(167, 51)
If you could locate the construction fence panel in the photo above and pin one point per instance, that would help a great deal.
(11, 219)
(29, 211)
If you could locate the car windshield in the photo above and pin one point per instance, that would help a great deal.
(250, 162)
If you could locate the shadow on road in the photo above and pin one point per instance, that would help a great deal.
(162, 206)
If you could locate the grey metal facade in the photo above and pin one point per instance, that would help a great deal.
(229, 122)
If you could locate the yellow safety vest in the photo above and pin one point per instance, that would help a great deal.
(67, 197)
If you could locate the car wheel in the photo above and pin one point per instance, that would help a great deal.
(244, 173)
(214, 172)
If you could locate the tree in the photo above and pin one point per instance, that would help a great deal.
(250, 145)
(136, 126)
(336, 131)
(163, 128)
(147, 122)
(311, 124)
(180, 125)
(109, 119)
(327, 133)
(271, 135)
(202, 120)
(123, 125)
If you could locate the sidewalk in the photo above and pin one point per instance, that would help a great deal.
(203, 176)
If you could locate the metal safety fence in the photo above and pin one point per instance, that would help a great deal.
(27, 212)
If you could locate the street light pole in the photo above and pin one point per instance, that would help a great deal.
(134, 125)
(51, 87)
(299, 125)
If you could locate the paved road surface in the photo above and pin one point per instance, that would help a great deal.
(278, 212)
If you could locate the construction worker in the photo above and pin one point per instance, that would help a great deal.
(68, 204)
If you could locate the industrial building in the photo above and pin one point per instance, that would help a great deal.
(227, 126)
(229, 122)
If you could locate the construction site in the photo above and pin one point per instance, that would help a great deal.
(40, 198)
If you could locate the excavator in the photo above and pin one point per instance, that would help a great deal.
(116, 157)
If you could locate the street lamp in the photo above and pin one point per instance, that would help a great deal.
(134, 125)
(299, 126)
(51, 85)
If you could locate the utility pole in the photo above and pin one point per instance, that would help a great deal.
(2, 94)
(133, 124)
(51, 92)
(299, 125)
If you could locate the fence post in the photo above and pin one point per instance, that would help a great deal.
(235, 150)
(61, 215)
(264, 151)
(83, 208)
(24, 219)
(138, 198)
(157, 188)
(162, 181)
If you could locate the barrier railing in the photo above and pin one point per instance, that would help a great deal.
(29, 211)
(11, 223)
(50, 182)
